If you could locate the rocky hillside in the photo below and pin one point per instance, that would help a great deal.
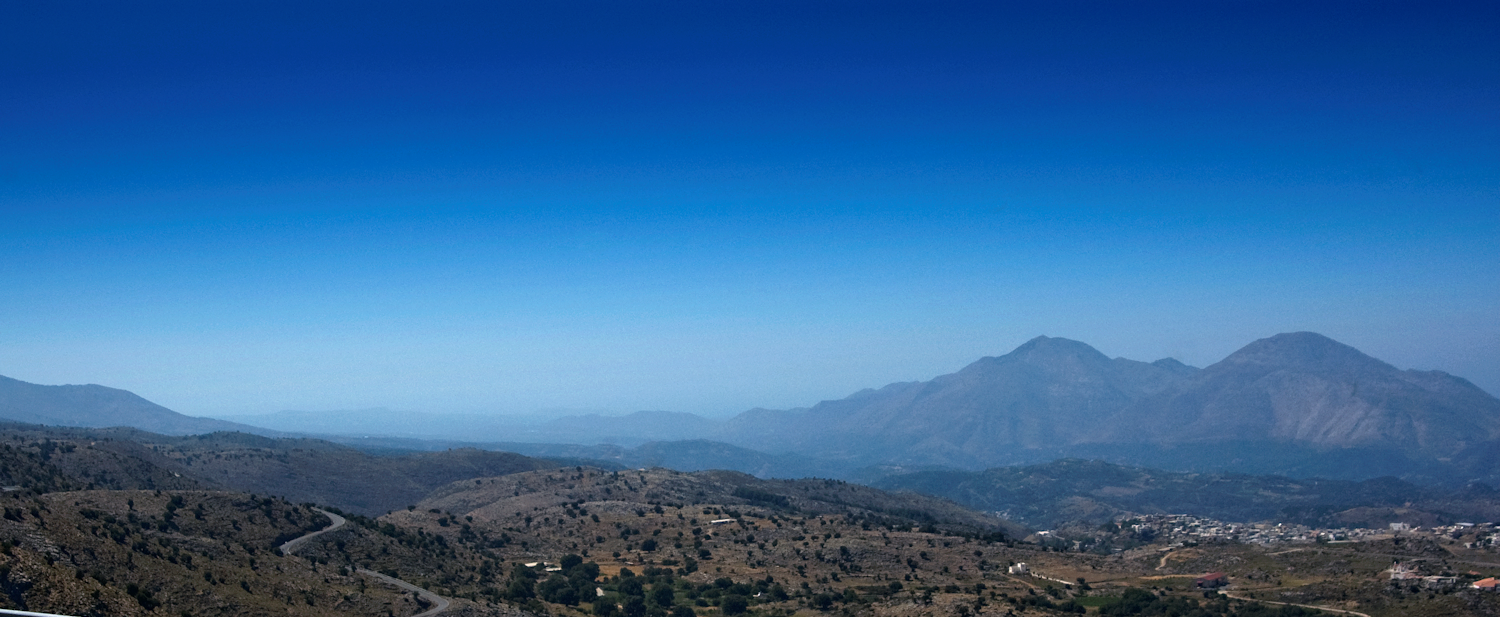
(523, 491)
(166, 546)
(302, 470)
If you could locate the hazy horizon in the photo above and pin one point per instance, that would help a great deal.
(547, 414)
(232, 210)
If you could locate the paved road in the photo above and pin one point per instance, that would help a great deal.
(296, 543)
(439, 603)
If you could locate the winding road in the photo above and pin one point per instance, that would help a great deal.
(294, 544)
(439, 603)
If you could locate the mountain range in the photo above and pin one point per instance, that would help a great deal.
(1290, 396)
(1298, 404)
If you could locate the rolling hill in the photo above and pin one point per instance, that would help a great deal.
(302, 470)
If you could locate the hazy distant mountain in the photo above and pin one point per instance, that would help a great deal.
(98, 406)
(1301, 398)
(1308, 389)
(1038, 396)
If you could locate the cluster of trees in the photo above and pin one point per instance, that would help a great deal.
(656, 592)
(32, 470)
(569, 586)
(574, 583)
(640, 596)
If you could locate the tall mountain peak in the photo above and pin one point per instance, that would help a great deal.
(1043, 347)
(1174, 365)
(1306, 351)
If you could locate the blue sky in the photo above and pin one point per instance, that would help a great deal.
(708, 207)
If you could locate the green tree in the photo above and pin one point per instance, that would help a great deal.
(662, 594)
(558, 590)
(587, 571)
(734, 605)
(632, 587)
(519, 589)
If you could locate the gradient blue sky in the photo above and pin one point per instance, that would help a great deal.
(712, 206)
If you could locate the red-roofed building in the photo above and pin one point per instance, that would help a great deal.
(1212, 580)
(1487, 584)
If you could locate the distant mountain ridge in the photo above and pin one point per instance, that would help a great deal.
(1034, 397)
(95, 406)
(1302, 395)
(1306, 388)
